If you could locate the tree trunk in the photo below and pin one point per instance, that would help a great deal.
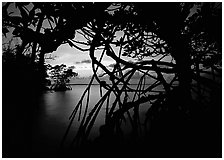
(33, 55)
(42, 73)
(182, 56)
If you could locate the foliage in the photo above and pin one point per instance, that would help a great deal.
(154, 38)
(162, 39)
(60, 74)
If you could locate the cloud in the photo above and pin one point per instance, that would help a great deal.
(87, 61)
(72, 67)
(111, 65)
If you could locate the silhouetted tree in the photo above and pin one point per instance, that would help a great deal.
(156, 31)
(60, 74)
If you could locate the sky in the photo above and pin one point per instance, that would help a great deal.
(81, 60)
(72, 57)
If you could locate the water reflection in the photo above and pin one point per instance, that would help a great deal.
(53, 117)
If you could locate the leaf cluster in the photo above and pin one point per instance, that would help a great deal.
(61, 73)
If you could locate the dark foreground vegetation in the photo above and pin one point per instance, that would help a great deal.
(182, 40)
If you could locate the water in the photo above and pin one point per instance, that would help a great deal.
(53, 117)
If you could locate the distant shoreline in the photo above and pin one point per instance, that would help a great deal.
(80, 84)
(98, 84)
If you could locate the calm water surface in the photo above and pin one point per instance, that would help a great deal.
(54, 111)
